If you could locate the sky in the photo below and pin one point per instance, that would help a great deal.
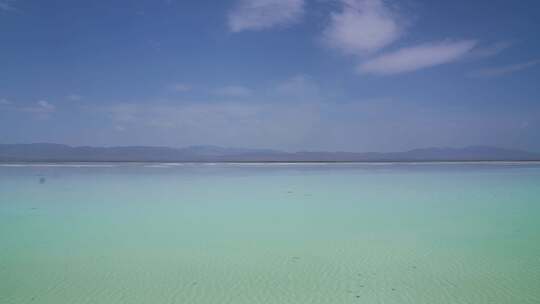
(294, 75)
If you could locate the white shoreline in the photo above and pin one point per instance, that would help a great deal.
(323, 163)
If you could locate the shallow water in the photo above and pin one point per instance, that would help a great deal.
(270, 233)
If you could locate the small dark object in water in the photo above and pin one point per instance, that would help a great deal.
(393, 289)
(42, 180)
(33, 298)
(295, 258)
(357, 297)
(361, 285)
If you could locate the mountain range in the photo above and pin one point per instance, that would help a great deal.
(49, 152)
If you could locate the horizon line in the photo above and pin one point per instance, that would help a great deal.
(275, 149)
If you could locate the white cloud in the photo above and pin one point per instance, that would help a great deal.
(46, 105)
(504, 70)
(416, 57)
(264, 14)
(181, 87)
(233, 91)
(363, 26)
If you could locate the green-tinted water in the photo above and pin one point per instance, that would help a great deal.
(424, 233)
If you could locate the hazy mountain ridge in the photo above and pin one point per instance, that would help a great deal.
(59, 153)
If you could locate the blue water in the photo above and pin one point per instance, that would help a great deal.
(270, 233)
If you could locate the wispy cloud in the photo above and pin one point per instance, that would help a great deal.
(504, 70)
(42, 108)
(416, 57)
(233, 91)
(224, 123)
(363, 26)
(300, 87)
(490, 49)
(122, 112)
(264, 14)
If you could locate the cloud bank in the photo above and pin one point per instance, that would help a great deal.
(299, 125)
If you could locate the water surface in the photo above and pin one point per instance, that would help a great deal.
(270, 233)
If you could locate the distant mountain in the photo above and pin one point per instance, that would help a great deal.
(223, 151)
(58, 152)
(47, 152)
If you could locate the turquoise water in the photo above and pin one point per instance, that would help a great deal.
(255, 233)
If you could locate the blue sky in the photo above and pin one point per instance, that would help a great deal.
(356, 75)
